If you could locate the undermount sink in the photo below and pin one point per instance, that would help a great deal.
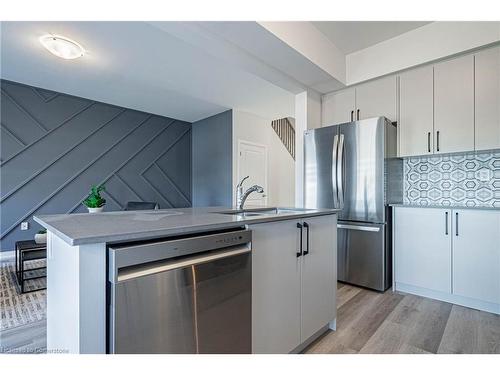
(250, 212)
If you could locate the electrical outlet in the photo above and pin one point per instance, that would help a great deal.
(24, 225)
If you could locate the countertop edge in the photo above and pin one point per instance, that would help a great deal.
(119, 238)
(59, 234)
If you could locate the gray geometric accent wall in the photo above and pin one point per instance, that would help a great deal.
(55, 146)
(471, 180)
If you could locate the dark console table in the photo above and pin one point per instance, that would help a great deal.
(28, 251)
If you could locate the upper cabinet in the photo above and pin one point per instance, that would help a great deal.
(416, 106)
(487, 99)
(376, 98)
(451, 106)
(454, 105)
(372, 99)
(436, 108)
(338, 107)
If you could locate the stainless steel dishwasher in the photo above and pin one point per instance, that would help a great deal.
(190, 294)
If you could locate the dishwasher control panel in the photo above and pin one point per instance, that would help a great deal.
(231, 239)
(121, 256)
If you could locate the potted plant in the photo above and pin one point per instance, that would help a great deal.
(41, 236)
(94, 202)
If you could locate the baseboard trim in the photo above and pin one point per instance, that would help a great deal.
(450, 298)
(310, 340)
(333, 324)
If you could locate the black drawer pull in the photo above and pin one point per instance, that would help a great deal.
(306, 225)
(299, 253)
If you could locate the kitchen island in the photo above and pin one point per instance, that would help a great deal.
(293, 268)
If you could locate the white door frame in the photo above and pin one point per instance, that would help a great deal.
(266, 153)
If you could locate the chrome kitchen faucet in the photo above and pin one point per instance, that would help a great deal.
(241, 196)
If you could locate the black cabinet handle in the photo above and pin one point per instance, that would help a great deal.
(358, 114)
(352, 115)
(429, 141)
(299, 253)
(437, 142)
(456, 224)
(446, 223)
(307, 238)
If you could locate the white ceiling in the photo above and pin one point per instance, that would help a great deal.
(188, 70)
(141, 66)
(352, 36)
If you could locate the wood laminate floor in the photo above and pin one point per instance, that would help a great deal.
(367, 322)
(390, 323)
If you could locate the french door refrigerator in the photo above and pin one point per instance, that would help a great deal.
(353, 167)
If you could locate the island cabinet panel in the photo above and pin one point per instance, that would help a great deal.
(487, 99)
(275, 287)
(318, 295)
(423, 248)
(294, 282)
(476, 254)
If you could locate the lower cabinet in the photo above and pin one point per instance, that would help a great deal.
(319, 274)
(294, 275)
(449, 254)
(423, 248)
(476, 255)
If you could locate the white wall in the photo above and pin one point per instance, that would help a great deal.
(281, 166)
(313, 110)
(307, 116)
(431, 42)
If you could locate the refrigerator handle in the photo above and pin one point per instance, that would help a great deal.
(335, 184)
(340, 172)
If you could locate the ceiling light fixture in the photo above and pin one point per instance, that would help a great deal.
(62, 47)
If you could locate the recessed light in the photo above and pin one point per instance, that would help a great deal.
(62, 47)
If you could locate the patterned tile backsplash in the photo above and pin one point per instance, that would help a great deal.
(471, 180)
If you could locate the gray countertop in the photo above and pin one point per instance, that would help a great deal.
(446, 207)
(121, 226)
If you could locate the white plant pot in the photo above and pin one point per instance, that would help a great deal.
(41, 238)
(94, 210)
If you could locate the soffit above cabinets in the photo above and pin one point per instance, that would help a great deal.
(352, 36)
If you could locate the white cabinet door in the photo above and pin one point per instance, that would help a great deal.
(376, 98)
(422, 248)
(476, 254)
(487, 99)
(319, 274)
(416, 104)
(275, 287)
(338, 107)
(454, 105)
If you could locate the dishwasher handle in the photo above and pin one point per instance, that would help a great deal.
(169, 265)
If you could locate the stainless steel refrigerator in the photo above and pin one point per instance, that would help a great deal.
(353, 166)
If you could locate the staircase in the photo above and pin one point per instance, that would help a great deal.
(286, 132)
